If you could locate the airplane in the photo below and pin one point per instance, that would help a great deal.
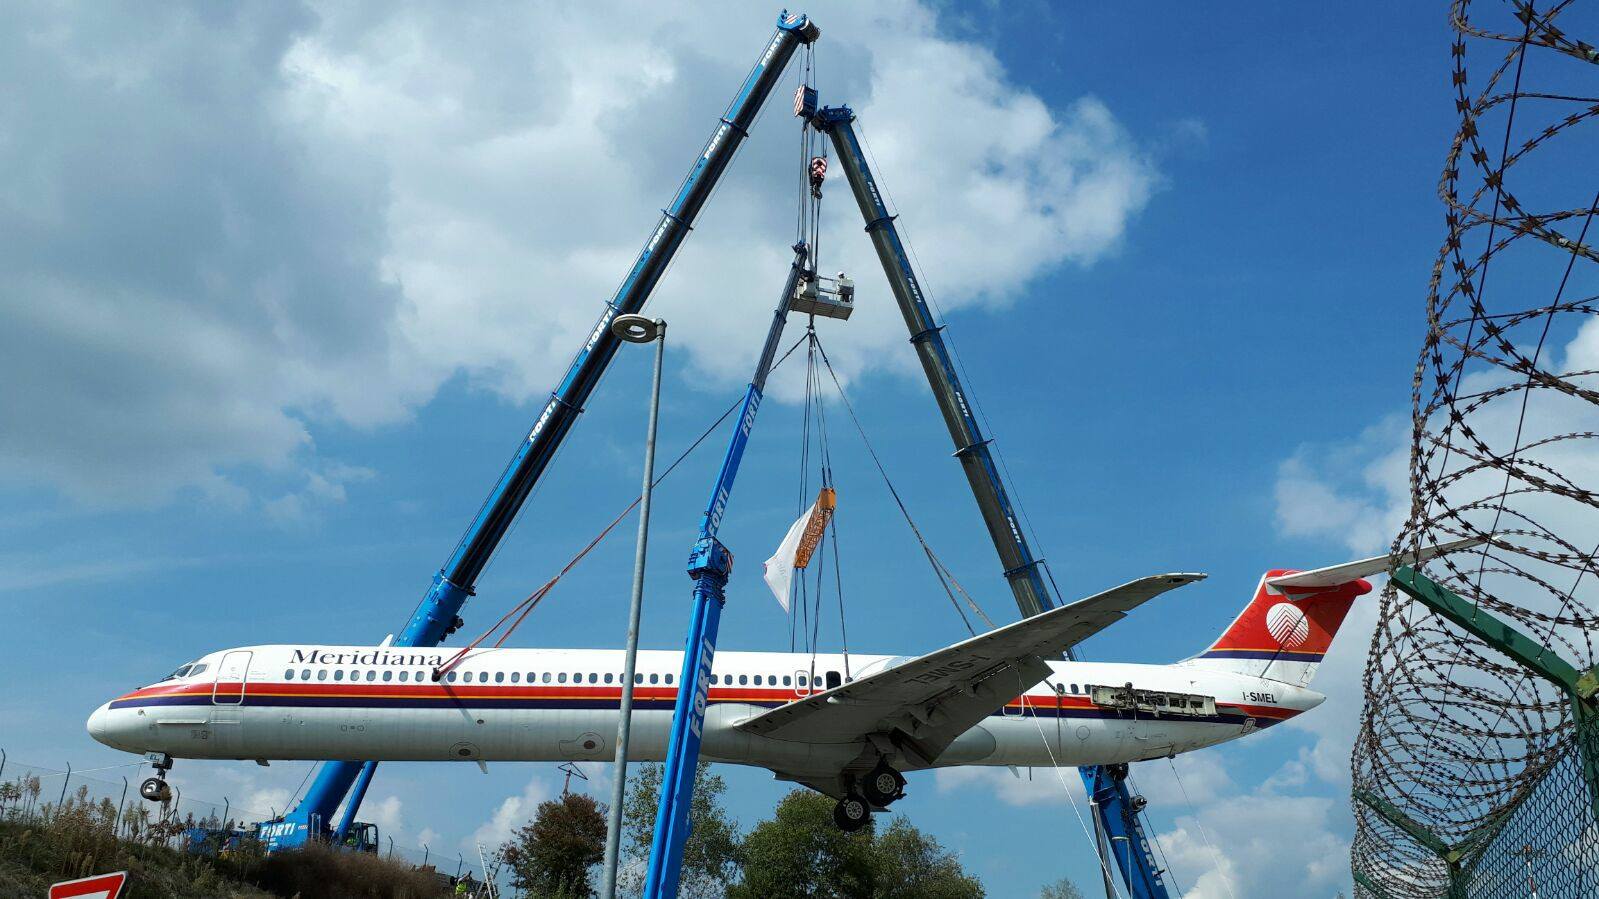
(846, 726)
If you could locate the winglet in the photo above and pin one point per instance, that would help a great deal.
(1334, 575)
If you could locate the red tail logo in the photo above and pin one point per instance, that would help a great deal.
(1287, 624)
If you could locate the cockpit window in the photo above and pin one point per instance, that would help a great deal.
(197, 669)
(182, 670)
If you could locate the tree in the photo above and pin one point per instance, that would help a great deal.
(908, 863)
(800, 853)
(550, 856)
(1061, 889)
(712, 854)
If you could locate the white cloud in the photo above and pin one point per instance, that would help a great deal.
(512, 813)
(1028, 786)
(255, 222)
(387, 813)
(1259, 844)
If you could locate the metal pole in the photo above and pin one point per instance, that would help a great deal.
(64, 782)
(624, 724)
(118, 829)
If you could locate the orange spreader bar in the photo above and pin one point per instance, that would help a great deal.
(821, 514)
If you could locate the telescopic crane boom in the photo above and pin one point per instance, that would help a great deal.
(436, 615)
(1118, 809)
(971, 447)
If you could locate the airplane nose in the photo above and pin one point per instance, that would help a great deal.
(99, 722)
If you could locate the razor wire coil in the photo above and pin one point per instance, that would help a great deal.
(1464, 742)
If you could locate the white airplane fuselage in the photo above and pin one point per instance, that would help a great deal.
(380, 703)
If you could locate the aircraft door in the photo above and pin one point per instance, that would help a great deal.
(232, 671)
(802, 683)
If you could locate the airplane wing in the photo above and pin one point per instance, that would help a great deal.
(923, 704)
(1334, 575)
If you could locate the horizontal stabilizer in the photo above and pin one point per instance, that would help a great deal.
(1333, 575)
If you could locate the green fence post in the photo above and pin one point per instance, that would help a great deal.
(1581, 686)
(1366, 884)
(1452, 856)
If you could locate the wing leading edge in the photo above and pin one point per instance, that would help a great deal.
(923, 704)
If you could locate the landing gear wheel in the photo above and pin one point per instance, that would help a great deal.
(883, 785)
(155, 789)
(852, 813)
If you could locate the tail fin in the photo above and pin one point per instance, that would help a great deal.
(1284, 633)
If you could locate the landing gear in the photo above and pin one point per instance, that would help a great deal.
(883, 785)
(156, 789)
(852, 813)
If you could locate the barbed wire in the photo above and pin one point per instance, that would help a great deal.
(1505, 446)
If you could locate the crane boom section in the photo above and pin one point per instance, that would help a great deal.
(1118, 811)
(436, 613)
(566, 402)
(710, 564)
(971, 447)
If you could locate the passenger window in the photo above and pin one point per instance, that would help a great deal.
(305, 674)
(668, 678)
(404, 675)
(593, 678)
(288, 675)
(655, 678)
(788, 681)
(638, 678)
(322, 674)
(1074, 688)
(545, 677)
(743, 680)
(338, 674)
(562, 677)
(371, 675)
(713, 679)
(450, 677)
(388, 676)
(516, 677)
(499, 677)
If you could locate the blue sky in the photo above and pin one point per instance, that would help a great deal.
(290, 284)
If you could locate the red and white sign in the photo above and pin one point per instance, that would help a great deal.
(100, 886)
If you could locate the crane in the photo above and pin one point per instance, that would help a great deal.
(438, 614)
(710, 564)
(1117, 814)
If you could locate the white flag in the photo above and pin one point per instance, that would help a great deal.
(779, 572)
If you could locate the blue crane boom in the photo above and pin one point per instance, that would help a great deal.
(971, 447)
(1118, 812)
(436, 615)
(710, 564)
(1022, 570)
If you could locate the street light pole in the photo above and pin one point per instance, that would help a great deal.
(633, 329)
